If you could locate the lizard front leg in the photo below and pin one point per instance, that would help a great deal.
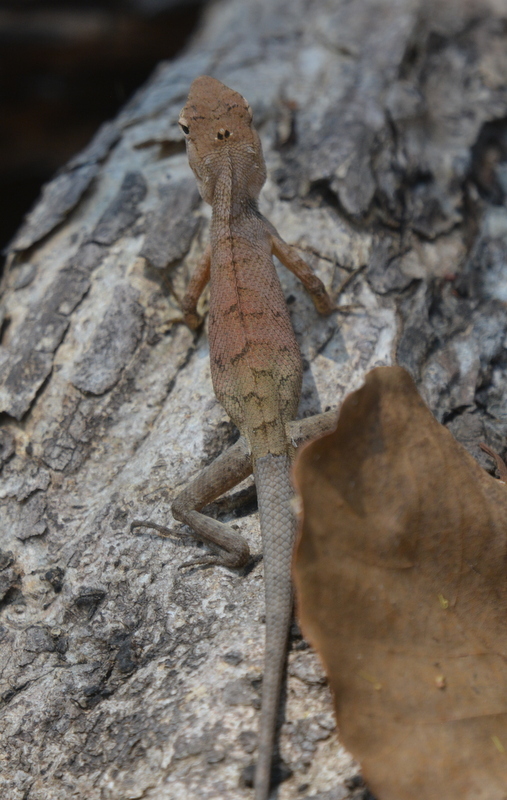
(226, 471)
(194, 290)
(293, 262)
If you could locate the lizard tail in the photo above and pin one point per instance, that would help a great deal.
(278, 526)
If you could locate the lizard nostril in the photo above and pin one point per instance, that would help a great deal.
(220, 135)
(223, 134)
(227, 134)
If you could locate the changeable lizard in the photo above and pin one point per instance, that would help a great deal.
(255, 367)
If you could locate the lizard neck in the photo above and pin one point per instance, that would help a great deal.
(232, 203)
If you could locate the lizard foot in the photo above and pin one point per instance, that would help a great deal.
(234, 559)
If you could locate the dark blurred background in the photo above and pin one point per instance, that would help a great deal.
(66, 66)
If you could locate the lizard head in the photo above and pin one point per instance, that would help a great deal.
(217, 124)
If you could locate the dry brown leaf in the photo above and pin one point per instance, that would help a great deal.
(401, 577)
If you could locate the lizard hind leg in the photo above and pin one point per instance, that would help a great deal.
(223, 474)
(302, 430)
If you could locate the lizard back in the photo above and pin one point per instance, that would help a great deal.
(255, 360)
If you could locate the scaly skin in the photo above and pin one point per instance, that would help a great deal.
(255, 365)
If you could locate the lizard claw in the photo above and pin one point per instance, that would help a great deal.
(192, 320)
(202, 561)
(346, 309)
(499, 462)
(161, 529)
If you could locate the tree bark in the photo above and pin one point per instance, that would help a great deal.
(384, 125)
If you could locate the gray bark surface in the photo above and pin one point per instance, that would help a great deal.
(384, 125)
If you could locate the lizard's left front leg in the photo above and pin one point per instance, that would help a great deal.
(229, 469)
(313, 285)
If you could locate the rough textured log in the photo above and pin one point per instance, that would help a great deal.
(385, 132)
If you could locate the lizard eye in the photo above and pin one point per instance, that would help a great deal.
(184, 128)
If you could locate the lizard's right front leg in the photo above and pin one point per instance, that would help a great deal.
(194, 290)
(229, 469)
